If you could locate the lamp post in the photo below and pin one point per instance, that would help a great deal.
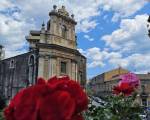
(148, 25)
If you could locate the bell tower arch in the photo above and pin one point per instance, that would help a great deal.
(61, 28)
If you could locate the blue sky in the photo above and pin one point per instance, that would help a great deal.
(111, 33)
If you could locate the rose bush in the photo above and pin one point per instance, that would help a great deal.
(121, 105)
(56, 99)
(131, 79)
(127, 85)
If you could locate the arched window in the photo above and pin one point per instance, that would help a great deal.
(31, 63)
(12, 64)
(64, 31)
(48, 25)
(31, 60)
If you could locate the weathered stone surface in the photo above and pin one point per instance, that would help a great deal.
(14, 73)
(48, 49)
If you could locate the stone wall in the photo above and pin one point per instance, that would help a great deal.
(17, 73)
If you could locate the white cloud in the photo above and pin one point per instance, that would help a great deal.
(122, 8)
(97, 57)
(13, 28)
(16, 24)
(135, 62)
(100, 58)
(4, 4)
(131, 36)
(86, 25)
(132, 43)
(94, 57)
(12, 35)
(84, 10)
(88, 38)
(95, 52)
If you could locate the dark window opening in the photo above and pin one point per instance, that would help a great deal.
(81, 76)
(64, 31)
(63, 67)
(12, 64)
(48, 25)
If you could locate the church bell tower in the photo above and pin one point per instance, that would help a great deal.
(57, 47)
(61, 28)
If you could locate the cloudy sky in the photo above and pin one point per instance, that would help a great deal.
(111, 33)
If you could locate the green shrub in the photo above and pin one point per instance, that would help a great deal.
(1, 115)
(116, 108)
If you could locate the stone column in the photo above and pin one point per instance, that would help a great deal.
(58, 66)
(46, 67)
(73, 71)
(76, 72)
(69, 68)
(52, 66)
(41, 67)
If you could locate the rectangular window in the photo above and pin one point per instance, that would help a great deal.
(63, 67)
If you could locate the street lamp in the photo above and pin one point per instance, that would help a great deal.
(148, 25)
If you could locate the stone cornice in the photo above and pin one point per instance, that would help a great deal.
(61, 48)
(64, 17)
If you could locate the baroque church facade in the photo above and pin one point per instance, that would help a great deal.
(52, 51)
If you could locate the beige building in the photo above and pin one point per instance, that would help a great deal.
(103, 84)
(52, 52)
(57, 45)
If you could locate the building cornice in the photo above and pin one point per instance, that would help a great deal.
(62, 16)
(58, 47)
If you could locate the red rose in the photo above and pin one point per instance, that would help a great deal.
(128, 83)
(73, 89)
(123, 88)
(78, 117)
(58, 99)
